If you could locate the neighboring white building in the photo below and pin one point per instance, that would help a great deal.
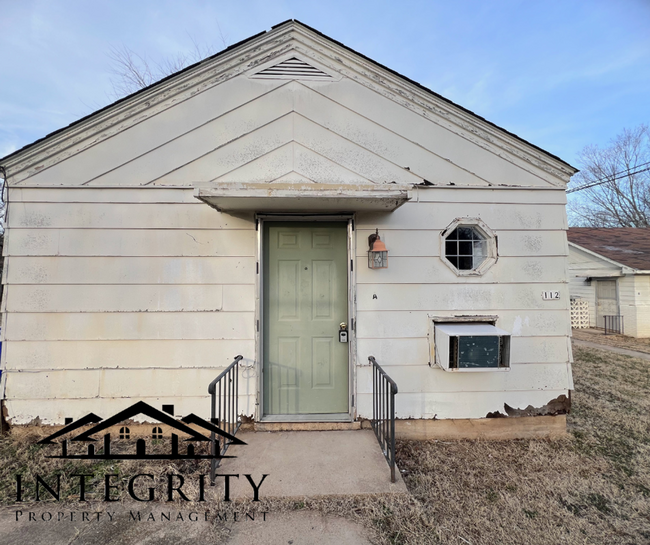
(610, 268)
(152, 241)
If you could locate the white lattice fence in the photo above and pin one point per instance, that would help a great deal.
(579, 313)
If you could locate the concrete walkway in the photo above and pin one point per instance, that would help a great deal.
(298, 464)
(623, 351)
(310, 464)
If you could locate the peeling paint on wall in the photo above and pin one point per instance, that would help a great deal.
(559, 405)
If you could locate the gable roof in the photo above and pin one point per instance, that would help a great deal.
(131, 96)
(629, 246)
(565, 168)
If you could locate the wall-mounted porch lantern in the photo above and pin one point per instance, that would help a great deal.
(377, 254)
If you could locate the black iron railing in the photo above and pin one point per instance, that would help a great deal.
(614, 324)
(225, 410)
(384, 390)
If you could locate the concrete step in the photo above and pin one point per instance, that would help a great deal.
(309, 464)
(306, 426)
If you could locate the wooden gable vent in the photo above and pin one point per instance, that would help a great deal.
(292, 68)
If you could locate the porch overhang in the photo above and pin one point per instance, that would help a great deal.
(316, 198)
(595, 274)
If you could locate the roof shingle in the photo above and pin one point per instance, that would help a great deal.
(629, 246)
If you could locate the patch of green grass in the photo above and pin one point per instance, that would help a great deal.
(643, 489)
(491, 496)
(573, 508)
(530, 514)
(600, 502)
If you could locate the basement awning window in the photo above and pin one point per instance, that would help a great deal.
(472, 347)
(319, 199)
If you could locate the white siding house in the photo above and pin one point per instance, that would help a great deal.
(610, 269)
(227, 210)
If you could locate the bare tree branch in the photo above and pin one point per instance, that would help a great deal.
(132, 71)
(623, 199)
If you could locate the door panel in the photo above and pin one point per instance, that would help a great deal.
(606, 300)
(288, 273)
(305, 283)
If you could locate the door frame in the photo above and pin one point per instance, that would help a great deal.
(348, 219)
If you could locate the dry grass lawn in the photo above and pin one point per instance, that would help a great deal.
(620, 341)
(591, 488)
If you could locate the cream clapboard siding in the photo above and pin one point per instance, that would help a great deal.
(633, 290)
(627, 303)
(123, 294)
(393, 305)
(583, 265)
(634, 295)
(94, 303)
(642, 289)
(119, 284)
(254, 120)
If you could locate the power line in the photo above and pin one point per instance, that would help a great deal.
(617, 176)
(627, 170)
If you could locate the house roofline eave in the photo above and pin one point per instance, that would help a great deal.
(625, 269)
(493, 134)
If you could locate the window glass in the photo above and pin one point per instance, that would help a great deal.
(466, 248)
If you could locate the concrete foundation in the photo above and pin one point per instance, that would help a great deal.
(525, 427)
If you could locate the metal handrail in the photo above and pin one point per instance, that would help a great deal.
(384, 390)
(225, 411)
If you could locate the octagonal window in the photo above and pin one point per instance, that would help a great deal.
(466, 248)
(469, 246)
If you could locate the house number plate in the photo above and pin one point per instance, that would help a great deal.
(550, 295)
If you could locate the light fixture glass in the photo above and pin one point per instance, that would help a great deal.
(378, 253)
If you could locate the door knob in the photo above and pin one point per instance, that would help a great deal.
(343, 332)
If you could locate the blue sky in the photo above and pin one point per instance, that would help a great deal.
(561, 74)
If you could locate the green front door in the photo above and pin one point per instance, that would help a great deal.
(305, 299)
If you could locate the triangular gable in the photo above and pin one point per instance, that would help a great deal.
(581, 258)
(355, 100)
